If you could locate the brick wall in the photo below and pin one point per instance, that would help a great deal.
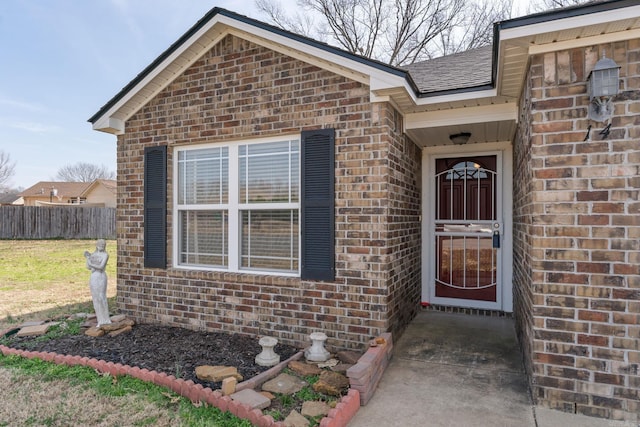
(579, 232)
(240, 90)
(403, 221)
(523, 189)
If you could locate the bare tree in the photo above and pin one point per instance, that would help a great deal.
(393, 31)
(476, 28)
(7, 169)
(84, 172)
(544, 5)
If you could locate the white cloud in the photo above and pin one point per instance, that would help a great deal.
(21, 105)
(29, 126)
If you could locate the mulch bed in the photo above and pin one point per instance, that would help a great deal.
(174, 351)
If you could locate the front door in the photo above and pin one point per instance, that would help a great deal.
(466, 231)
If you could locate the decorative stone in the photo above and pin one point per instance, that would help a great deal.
(314, 409)
(120, 331)
(328, 364)
(267, 357)
(229, 386)
(317, 352)
(349, 357)
(284, 384)
(217, 373)
(268, 395)
(304, 369)
(114, 326)
(294, 419)
(118, 318)
(108, 327)
(251, 398)
(94, 332)
(331, 383)
(32, 323)
(35, 330)
(341, 367)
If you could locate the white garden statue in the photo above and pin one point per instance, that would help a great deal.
(97, 262)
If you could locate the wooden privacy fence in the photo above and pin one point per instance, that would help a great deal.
(57, 222)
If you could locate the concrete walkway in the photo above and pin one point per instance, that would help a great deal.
(459, 370)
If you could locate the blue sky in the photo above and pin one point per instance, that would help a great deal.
(62, 60)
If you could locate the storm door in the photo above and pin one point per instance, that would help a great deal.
(467, 231)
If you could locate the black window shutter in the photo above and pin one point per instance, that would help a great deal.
(155, 207)
(317, 215)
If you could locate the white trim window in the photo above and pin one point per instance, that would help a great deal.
(237, 206)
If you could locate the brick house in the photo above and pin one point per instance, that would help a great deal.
(272, 184)
(99, 192)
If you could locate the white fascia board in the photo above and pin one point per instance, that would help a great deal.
(109, 125)
(107, 117)
(585, 41)
(471, 96)
(377, 78)
(568, 23)
(479, 114)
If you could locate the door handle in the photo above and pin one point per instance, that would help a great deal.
(496, 239)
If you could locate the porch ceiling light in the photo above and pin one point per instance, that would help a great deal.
(603, 86)
(460, 138)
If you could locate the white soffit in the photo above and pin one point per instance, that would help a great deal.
(518, 43)
(575, 27)
(480, 114)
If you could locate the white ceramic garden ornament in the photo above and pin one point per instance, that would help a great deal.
(267, 357)
(96, 263)
(317, 352)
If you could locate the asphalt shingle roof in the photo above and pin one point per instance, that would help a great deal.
(458, 71)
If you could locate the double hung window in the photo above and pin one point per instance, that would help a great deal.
(237, 206)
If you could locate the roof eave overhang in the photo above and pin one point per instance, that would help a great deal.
(209, 31)
(518, 39)
(515, 41)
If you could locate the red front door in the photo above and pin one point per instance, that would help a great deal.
(467, 228)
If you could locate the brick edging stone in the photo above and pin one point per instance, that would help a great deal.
(365, 375)
(340, 416)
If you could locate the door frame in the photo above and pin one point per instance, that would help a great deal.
(504, 153)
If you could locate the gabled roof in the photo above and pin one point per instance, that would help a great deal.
(462, 92)
(64, 189)
(210, 29)
(109, 184)
(470, 69)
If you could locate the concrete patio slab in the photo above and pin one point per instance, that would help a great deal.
(461, 370)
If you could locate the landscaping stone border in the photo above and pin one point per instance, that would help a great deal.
(365, 375)
(340, 416)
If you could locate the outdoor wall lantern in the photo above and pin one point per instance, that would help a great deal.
(460, 138)
(53, 193)
(603, 86)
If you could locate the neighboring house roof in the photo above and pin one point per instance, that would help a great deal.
(64, 189)
(109, 184)
(8, 198)
(444, 73)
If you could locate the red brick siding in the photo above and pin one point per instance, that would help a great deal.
(578, 231)
(240, 90)
(523, 184)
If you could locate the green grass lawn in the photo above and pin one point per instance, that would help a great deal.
(46, 278)
(37, 275)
